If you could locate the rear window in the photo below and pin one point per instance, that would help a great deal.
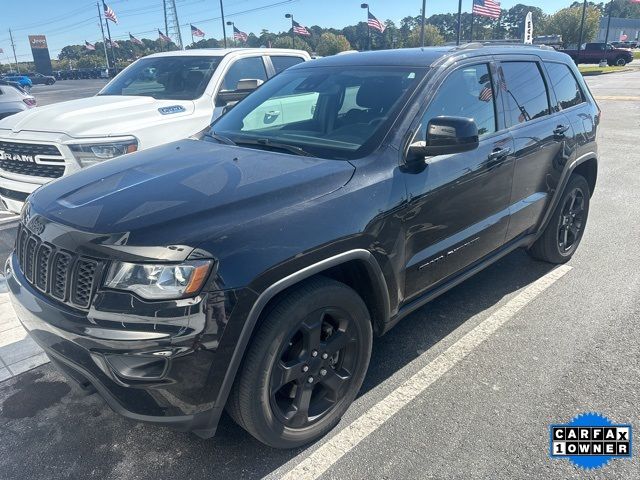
(172, 78)
(565, 85)
(282, 63)
(525, 92)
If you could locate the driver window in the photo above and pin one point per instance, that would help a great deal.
(467, 92)
(244, 69)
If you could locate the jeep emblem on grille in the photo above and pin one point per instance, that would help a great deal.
(16, 156)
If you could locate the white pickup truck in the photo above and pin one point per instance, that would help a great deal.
(157, 99)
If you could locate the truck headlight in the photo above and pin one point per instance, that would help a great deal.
(159, 281)
(88, 154)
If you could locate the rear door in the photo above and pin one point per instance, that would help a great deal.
(458, 208)
(542, 138)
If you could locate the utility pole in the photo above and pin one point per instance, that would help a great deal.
(224, 28)
(366, 5)
(424, 5)
(459, 21)
(171, 22)
(104, 43)
(293, 33)
(584, 13)
(13, 46)
(606, 37)
(166, 21)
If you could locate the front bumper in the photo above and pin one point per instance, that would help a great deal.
(145, 371)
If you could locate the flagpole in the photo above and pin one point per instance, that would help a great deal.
(293, 32)
(584, 12)
(233, 28)
(104, 43)
(471, 33)
(366, 5)
(113, 53)
(224, 28)
(424, 5)
(459, 21)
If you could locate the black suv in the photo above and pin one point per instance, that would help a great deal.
(250, 269)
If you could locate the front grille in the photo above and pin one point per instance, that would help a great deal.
(60, 274)
(30, 149)
(31, 168)
(13, 195)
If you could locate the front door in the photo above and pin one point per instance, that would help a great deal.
(458, 208)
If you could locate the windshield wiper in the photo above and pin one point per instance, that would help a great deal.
(267, 143)
(220, 138)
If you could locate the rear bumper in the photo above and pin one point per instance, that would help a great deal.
(168, 379)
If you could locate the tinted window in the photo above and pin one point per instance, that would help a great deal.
(330, 112)
(174, 78)
(594, 46)
(244, 69)
(467, 92)
(525, 93)
(565, 85)
(282, 63)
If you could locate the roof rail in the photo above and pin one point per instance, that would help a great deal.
(501, 43)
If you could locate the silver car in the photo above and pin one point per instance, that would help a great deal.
(14, 99)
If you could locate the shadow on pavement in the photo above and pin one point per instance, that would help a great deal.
(48, 431)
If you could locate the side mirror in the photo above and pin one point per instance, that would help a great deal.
(243, 88)
(445, 136)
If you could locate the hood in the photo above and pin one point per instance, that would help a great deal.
(185, 192)
(99, 116)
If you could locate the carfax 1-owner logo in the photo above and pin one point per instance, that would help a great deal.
(590, 440)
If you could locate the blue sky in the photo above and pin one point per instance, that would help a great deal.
(67, 22)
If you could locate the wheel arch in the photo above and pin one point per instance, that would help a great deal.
(357, 268)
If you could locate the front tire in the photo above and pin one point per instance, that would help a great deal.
(305, 365)
(563, 233)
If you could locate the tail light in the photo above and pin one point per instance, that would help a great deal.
(30, 102)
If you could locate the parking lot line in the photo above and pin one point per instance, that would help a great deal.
(330, 452)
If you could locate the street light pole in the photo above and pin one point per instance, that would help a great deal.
(232, 25)
(293, 33)
(424, 5)
(366, 5)
(459, 21)
(584, 13)
(224, 29)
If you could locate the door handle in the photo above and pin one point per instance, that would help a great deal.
(499, 154)
(560, 130)
(272, 113)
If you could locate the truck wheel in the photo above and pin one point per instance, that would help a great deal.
(563, 233)
(304, 366)
(621, 61)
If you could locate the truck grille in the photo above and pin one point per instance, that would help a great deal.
(60, 274)
(28, 165)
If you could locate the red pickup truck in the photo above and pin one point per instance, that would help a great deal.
(595, 52)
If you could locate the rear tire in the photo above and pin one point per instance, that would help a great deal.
(305, 365)
(563, 233)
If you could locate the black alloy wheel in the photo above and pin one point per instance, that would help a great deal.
(305, 364)
(571, 221)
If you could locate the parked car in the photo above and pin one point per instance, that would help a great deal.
(39, 79)
(13, 99)
(597, 52)
(22, 80)
(252, 269)
(186, 91)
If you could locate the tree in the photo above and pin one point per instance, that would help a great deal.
(566, 22)
(331, 44)
(284, 41)
(513, 20)
(432, 36)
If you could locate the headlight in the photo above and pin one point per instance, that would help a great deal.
(159, 281)
(89, 154)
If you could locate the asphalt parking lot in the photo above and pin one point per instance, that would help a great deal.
(64, 90)
(506, 360)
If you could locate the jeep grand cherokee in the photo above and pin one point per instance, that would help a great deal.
(250, 270)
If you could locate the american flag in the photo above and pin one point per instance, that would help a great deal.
(300, 29)
(87, 45)
(196, 32)
(163, 37)
(239, 35)
(486, 8)
(135, 40)
(486, 94)
(374, 23)
(109, 14)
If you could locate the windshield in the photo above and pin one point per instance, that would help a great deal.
(337, 113)
(171, 78)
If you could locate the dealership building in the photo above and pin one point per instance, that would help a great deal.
(618, 28)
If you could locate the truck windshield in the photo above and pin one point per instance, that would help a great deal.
(171, 78)
(340, 113)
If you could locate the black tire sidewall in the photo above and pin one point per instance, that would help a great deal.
(275, 330)
(576, 181)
